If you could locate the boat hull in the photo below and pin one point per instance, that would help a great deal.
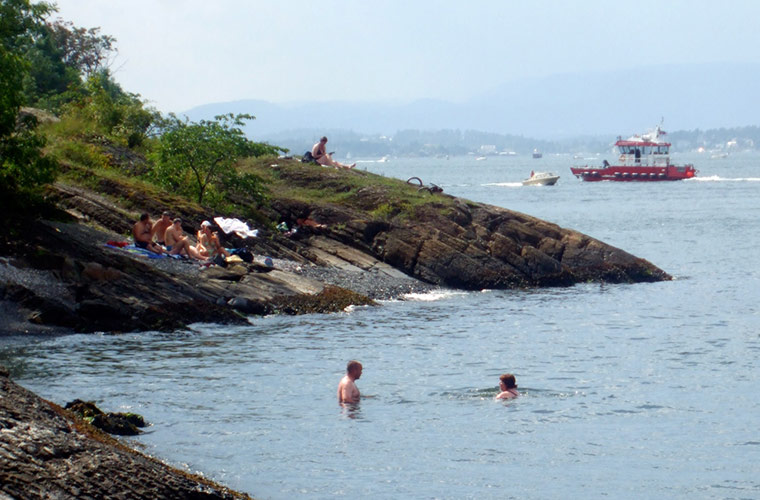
(543, 181)
(623, 173)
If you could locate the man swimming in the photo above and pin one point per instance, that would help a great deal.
(347, 390)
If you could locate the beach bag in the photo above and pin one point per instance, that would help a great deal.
(308, 158)
(219, 260)
(244, 254)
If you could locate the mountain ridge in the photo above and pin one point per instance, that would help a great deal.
(621, 102)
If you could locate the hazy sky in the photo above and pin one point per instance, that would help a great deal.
(180, 54)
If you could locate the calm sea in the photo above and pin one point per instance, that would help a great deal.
(629, 391)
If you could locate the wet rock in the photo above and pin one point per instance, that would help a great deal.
(122, 424)
(246, 306)
(47, 452)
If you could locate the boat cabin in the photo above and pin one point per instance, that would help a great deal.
(645, 151)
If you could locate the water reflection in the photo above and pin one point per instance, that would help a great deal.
(351, 410)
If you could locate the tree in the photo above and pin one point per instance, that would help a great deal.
(198, 159)
(85, 50)
(22, 166)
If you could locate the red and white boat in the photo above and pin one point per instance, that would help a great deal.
(642, 158)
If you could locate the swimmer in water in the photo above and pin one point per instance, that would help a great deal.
(508, 387)
(347, 390)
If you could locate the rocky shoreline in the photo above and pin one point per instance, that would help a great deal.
(48, 452)
(64, 276)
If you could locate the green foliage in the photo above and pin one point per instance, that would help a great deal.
(84, 50)
(22, 167)
(198, 159)
(50, 80)
(106, 110)
(62, 57)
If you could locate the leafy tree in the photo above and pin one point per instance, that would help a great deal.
(85, 50)
(22, 166)
(117, 114)
(62, 57)
(198, 159)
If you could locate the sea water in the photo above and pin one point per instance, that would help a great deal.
(632, 391)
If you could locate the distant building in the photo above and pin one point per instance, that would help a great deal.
(487, 149)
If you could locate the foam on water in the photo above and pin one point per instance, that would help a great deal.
(432, 296)
(503, 184)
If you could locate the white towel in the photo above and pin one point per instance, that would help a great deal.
(236, 226)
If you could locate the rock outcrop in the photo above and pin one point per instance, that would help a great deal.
(63, 275)
(46, 452)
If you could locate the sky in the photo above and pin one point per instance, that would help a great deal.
(180, 54)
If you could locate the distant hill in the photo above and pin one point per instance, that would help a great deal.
(704, 96)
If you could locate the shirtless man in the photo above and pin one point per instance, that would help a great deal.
(347, 390)
(508, 387)
(160, 227)
(320, 154)
(178, 243)
(142, 232)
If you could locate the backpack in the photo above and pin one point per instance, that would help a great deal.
(244, 254)
(308, 158)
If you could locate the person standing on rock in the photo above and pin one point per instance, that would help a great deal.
(320, 154)
(142, 231)
(347, 390)
(160, 227)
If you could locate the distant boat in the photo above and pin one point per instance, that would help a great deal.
(643, 157)
(541, 179)
(537, 153)
(480, 158)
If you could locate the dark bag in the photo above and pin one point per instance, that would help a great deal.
(219, 260)
(308, 158)
(244, 254)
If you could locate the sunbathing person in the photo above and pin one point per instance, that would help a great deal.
(160, 227)
(320, 154)
(142, 232)
(209, 245)
(177, 243)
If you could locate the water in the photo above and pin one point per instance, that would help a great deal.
(645, 391)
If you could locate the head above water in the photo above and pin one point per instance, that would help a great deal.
(508, 380)
(354, 369)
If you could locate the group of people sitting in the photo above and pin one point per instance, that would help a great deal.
(166, 236)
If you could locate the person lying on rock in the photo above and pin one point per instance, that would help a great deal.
(209, 245)
(160, 227)
(177, 243)
(320, 154)
(142, 232)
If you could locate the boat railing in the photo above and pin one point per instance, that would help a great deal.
(630, 160)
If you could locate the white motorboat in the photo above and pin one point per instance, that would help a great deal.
(541, 179)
